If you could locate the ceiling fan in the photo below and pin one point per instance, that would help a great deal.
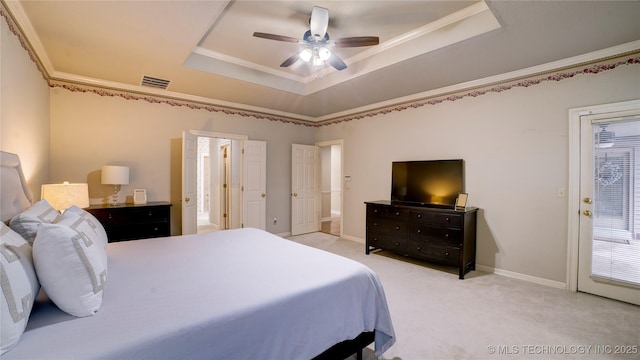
(316, 42)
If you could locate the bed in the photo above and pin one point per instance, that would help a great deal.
(234, 294)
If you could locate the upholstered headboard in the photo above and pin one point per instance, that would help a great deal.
(14, 192)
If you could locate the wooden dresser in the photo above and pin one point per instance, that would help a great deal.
(436, 234)
(129, 222)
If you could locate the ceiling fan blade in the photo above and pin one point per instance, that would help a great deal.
(319, 21)
(356, 41)
(290, 60)
(275, 37)
(336, 62)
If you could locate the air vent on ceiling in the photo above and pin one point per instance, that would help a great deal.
(154, 82)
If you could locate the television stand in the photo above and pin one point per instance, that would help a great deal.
(436, 234)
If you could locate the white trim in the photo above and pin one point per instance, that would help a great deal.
(211, 134)
(353, 238)
(573, 197)
(341, 143)
(519, 276)
(492, 270)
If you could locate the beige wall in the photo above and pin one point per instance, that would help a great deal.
(24, 110)
(515, 148)
(89, 130)
(514, 144)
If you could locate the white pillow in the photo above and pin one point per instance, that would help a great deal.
(27, 222)
(91, 225)
(19, 287)
(72, 268)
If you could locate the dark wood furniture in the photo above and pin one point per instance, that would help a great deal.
(347, 348)
(129, 222)
(436, 234)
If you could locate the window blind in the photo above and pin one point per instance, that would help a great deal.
(616, 210)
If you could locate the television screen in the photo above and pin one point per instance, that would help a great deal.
(431, 182)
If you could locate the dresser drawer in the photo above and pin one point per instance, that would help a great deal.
(384, 241)
(138, 231)
(143, 214)
(387, 212)
(387, 226)
(438, 218)
(446, 255)
(435, 234)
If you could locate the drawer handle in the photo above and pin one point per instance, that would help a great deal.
(446, 254)
(419, 231)
(110, 216)
(375, 239)
(446, 235)
(397, 243)
(447, 219)
(397, 227)
(419, 216)
(397, 213)
(419, 248)
(375, 211)
(375, 224)
(150, 213)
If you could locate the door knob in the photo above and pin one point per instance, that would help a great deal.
(263, 195)
(587, 200)
(295, 194)
(187, 199)
(587, 213)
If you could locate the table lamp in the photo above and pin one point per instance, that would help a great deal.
(116, 176)
(62, 196)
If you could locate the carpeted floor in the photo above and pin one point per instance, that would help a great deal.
(487, 316)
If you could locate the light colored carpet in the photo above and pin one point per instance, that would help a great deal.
(487, 316)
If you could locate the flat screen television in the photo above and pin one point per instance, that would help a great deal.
(429, 182)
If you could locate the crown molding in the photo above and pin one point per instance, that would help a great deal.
(592, 63)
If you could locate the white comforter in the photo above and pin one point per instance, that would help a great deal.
(236, 294)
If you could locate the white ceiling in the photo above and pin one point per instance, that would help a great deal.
(207, 52)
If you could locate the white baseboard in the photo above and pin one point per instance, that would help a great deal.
(284, 234)
(519, 276)
(353, 238)
(492, 270)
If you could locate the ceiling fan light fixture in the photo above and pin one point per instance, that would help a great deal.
(324, 54)
(317, 61)
(306, 54)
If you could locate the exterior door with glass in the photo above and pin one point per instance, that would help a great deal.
(609, 234)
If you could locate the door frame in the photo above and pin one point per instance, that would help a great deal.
(219, 135)
(340, 142)
(573, 194)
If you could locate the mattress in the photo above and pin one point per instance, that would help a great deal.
(234, 294)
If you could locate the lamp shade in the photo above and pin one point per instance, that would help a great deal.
(115, 175)
(62, 196)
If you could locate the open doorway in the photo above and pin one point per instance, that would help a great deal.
(218, 184)
(331, 187)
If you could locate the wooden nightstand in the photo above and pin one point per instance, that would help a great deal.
(129, 222)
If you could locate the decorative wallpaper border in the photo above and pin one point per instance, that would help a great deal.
(594, 67)
(504, 86)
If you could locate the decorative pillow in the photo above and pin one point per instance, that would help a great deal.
(19, 287)
(91, 223)
(72, 268)
(27, 222)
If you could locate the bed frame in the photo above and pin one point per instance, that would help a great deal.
(347, 348)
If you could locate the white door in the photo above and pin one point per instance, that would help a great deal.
(255, 184)
(609, 233)
(189, 183)
(305, 189)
